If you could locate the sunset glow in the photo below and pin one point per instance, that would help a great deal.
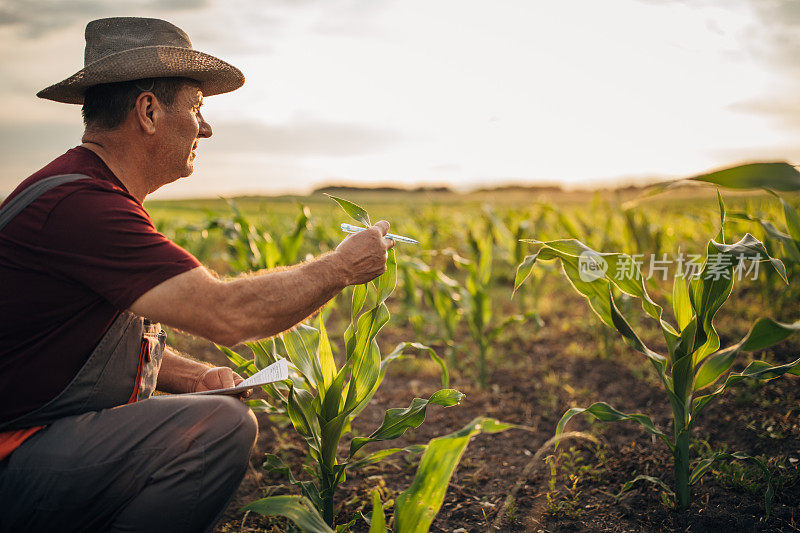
(458, 93)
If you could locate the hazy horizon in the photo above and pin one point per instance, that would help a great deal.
(463, 94)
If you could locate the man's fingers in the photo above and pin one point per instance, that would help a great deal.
(383, 227)
(225, 375)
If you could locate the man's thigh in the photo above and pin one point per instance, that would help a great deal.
(83, 471)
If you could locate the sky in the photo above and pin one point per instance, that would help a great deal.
(462, 93)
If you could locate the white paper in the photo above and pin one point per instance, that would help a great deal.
(277, 371)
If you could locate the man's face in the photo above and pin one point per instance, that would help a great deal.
(184, 127)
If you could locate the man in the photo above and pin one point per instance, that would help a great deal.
(82, 444)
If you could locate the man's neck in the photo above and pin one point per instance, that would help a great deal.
(124, 163)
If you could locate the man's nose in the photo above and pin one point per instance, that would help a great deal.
(205, 128)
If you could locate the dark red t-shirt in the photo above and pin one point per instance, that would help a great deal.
(70, 262)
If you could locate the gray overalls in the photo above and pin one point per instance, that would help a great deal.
(110, 457)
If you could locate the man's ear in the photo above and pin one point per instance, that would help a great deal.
(147, 110)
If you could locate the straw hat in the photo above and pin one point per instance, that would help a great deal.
(130, 48)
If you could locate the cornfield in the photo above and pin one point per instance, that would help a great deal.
(483, 328)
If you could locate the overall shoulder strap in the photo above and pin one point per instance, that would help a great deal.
(31, 193)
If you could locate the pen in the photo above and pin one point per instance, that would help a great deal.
(349, 228)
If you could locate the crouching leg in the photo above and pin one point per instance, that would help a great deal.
(169, 463)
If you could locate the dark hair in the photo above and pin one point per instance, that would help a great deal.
(105, 106)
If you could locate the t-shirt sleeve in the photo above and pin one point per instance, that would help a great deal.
(106, 241)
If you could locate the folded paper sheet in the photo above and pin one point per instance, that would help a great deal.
(277, 371)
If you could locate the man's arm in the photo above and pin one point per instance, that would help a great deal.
(179, 374)
(263, 304)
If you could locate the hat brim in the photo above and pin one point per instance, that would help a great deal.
(214, 75)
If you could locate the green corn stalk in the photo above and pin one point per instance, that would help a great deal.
(693, 371)
(321, 399)
(477, 302)
(409, 271)
(442, 293)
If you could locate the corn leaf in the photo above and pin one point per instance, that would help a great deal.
(763, 334)
(398, 353)
(298, 509)
(301, 345)
(604, 412)
(417, 506)
(290, 243)
(265, 353)
(241, 363)
(778, 175)
(755, 370)
(387, 281)
(378, 518)
(355, 211)
(300, 411)
(751, 248)
(379, 455)
(792, 219)
(327, 363)
(524, 271)
(275, 465)
(333, 396)
(366, 359)
(680, 302)
(654, 480)
(396, 420)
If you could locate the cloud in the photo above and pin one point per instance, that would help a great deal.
(303, 137)
(36, 18)
(26, 147)
(778, 37)
(786, 111)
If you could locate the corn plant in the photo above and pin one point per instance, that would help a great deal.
(477, 302)
(410, 270)
(442, 293)
(321, 399)
(252, 247)
(693, 371)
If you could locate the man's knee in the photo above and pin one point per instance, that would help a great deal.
(245, 426)
(237, 423)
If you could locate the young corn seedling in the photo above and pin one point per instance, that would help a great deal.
(442, 293)
(321, 399)
(695, 369)
(477, 302)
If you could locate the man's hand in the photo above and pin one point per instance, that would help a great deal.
(220, 377)
(363, 255)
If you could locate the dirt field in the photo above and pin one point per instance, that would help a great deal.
(538, 375)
